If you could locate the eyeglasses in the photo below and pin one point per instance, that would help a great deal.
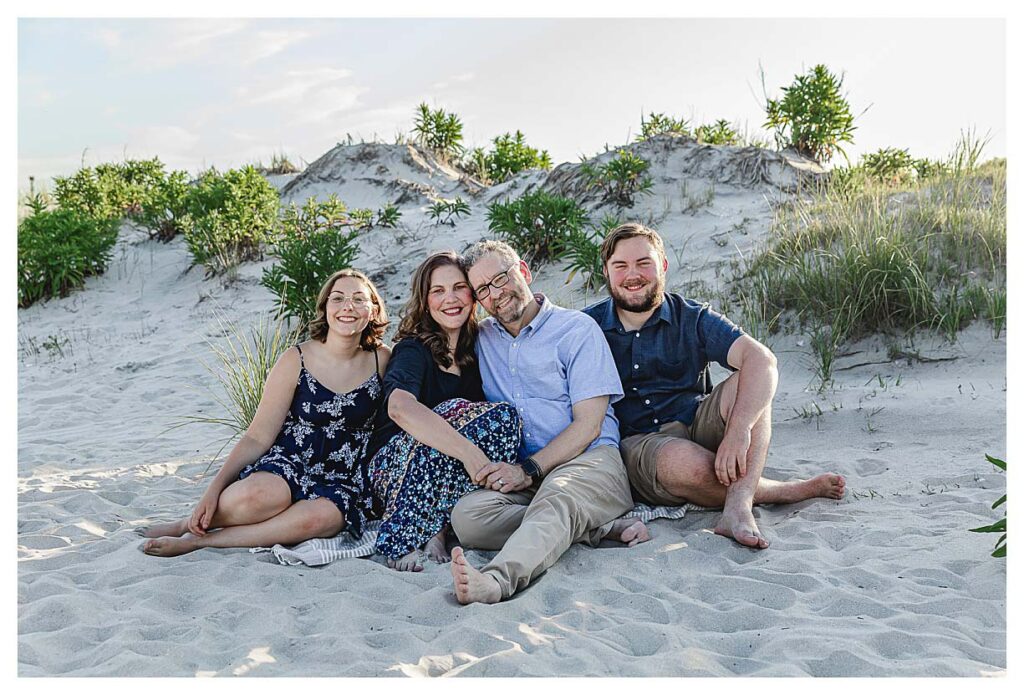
(499, 280)
(356, 302)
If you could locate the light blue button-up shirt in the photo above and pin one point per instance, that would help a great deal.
(558, 359)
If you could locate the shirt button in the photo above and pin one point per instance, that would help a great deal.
(634, 388)
(655, 421)
(647, 401)
(635, 366)
(513, 370)
(637, 335)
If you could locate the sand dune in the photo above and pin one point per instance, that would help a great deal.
(885, 582)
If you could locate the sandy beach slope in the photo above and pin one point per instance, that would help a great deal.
(886, 582)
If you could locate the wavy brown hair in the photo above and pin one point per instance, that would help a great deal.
(418, 323)
(371, 339)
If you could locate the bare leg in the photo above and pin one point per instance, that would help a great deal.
(687, 470)
(629, 531)
(251, 500)
(319, 518)
(471, 585)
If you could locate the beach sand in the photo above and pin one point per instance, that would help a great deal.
(885, 582)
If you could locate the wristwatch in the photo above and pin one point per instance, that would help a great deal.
(532, 469)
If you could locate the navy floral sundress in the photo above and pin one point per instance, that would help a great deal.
(321, 450)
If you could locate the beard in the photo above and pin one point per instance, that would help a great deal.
(514, 310)
(653, 296)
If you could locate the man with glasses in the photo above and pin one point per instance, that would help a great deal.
(570, 483)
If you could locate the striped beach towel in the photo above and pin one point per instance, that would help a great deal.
(321, 551)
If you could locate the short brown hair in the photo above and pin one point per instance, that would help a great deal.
(374, 331)
(628, 231)
(418, 323)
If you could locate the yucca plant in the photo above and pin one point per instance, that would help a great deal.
(621, 178)
(718, 133)
(439, 131)
(388, 216)
(538, 224)
(658, 124)
(448, 211)
(999, 526)
(813, 116)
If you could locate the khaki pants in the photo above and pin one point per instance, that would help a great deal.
(577, 501)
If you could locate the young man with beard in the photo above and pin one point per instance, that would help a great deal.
(570, 484)
(684, 441)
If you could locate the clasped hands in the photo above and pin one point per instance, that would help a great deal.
(503, 477)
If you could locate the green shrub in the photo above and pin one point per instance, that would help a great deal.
(163, 213)
(58, 249)
(889, 165)
(439, 131)
(717, 133)
(813, 116)
(511, 155)
(229, 217)
(110, 191)
(583, 251)
(475, 162)
(999, 526)
(448, 211)
(538, 225)
(621, 179)
(316, 240)
(659, 124)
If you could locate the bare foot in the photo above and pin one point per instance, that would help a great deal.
(436, 550)
(407, 563)
(169, 528)
(471, 585)
(824, 485)
(741, 527)
(629, 531)
(169, 547)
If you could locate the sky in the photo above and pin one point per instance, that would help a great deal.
(227, 92)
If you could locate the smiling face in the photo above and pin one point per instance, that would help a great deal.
(349, 307)
(449, 299)
(636, 275)
(509, 302)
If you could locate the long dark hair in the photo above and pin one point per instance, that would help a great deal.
(418, 323)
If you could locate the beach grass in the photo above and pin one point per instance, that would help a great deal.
(850, 261)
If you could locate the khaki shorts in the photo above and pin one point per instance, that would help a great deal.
(640, 451)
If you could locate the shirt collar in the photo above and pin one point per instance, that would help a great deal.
(547, 308)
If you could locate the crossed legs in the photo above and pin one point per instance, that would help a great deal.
(255, 511)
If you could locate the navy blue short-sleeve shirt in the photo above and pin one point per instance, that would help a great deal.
(664, 366)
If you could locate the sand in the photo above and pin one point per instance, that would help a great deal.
(885, 582)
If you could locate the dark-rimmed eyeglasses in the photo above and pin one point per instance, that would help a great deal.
(499, 280)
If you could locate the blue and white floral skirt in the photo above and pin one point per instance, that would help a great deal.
(418, 486)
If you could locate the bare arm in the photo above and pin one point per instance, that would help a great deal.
(587, 417)
(755, 388)
(428, 427)
(267, 422)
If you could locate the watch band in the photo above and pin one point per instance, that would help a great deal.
(532, 469)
